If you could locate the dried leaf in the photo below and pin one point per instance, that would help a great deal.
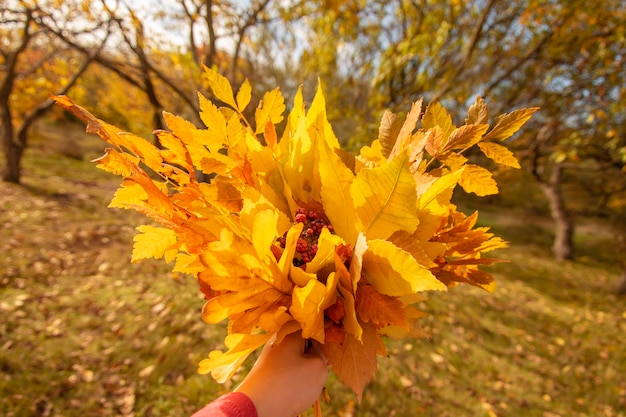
(388, 130)
(478, 113)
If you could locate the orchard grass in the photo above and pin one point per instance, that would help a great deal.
(87, 333)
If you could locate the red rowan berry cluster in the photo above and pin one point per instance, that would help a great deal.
(306, 247)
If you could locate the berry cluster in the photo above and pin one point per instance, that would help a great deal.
(306, 247)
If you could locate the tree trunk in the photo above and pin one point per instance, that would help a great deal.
(13, 157)
(563, 245)
(13, 150)
(621, 288)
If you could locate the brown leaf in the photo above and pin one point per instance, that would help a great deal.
(388, 130)
(353, 362)
(379, 309)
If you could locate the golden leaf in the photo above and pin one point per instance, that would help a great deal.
(244, 95)
(478, 113)
(222, 365)
(214, 120)
(154, 242)
(299, 234)
(466, 136)
(336, 180)
(270, 110)
(507, 124)
(478, 180)
(393, 271)
(308, 305)
(220, 86)
(436, 115)
(499, 154)
(384, 198)
(117, 163)
(407, 129)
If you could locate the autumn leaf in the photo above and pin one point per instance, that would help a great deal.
(244, 95)
(507, 124)
(353, 361)
(154, 242)
(222, 365)
(466, 136)
(393, 271)
(220, 86)
(213, 119)
(288, 232)
(270, 110)
(379, 309)
(499, 154)
(478, 113)
(436, 115)
(384, 198)
(478, 180)
(388, 131)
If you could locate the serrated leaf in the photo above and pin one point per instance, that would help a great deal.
(353, 361)
(436, 115)
(116, 162)
(220, 86)
(478, 113)
(128, 195)
(478, 180)
(407, 128)
(270, 110)
(499, 154)
(379, 309)
(222, 365)
(507, 124)
(465, 136)
(384, 198)
(435, 141)
(212, 118)
(390, 126)
(153, 242)
(393, 271)
(244, 95)
(434, 198)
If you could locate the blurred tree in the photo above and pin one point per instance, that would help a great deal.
(33, 64)
(144, 59)
(564, 56)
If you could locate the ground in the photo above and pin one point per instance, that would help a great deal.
(87, 333)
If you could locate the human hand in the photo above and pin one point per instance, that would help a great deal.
(285, 380)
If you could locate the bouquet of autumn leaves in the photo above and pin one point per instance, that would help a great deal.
(292, 233)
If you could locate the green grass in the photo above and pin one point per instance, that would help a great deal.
(87, 333)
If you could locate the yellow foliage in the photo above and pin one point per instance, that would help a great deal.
(295, 234)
